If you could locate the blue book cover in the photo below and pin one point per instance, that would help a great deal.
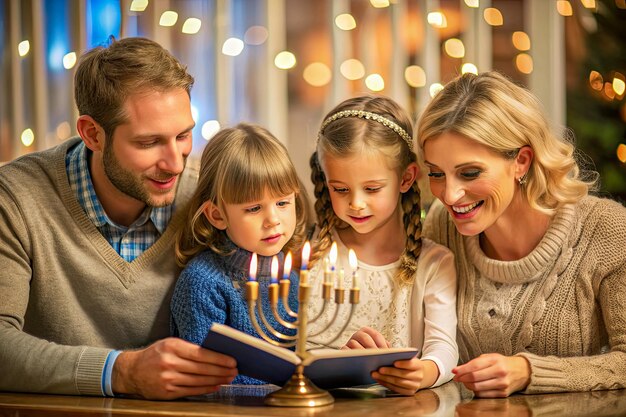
(327, 368)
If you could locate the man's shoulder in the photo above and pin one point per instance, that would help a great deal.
(35, 162)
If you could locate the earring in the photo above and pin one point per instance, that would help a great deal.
(522, 179)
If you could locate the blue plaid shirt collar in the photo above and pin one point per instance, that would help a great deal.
(152, 218)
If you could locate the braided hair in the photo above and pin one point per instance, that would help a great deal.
(379, 123)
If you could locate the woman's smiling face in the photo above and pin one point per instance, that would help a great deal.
(475, 183)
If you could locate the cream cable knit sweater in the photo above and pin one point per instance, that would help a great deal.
(563, 307)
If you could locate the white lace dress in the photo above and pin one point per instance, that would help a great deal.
(421, 315)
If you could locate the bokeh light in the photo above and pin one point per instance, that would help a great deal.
(285, 60)
(317, 74)
(352, 69)
(415, 76)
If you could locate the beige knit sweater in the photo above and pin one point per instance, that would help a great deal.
(563, 307)
(66, 297)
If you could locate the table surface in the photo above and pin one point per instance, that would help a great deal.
(450, 399)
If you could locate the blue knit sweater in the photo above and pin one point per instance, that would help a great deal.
(211, 289)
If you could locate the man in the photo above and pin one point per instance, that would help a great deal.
(87, 231)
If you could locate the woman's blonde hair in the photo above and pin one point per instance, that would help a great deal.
(239, 165)
(490, 109)
(377, 125)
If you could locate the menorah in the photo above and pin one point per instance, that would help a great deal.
(299, 391)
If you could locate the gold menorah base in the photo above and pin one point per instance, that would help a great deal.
(299, 391)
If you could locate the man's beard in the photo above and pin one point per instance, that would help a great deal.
(131, 184)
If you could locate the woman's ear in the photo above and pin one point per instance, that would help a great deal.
(523, 160)
(91, 133)
(214, 215)
(408, 177)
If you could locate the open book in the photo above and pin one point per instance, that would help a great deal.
(327, 368)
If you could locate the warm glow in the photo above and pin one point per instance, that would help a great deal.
(621, 4)
(454, 47)
(524, 63)
(345, 21)
(317, 74)
(596, 81)
(192, 25)
(469, 67)
(472, 3)
(23, 48)
(253, 267)
(589, 4)
(306, 253)
(63, 130)
(255, 35)
(564, 7)
(521, 41)
(609, 92)
(352, 259)
(493, 16)
(375, 82)
(138, 5)
(415, 76)
(618, 84)
(168, 18)
(232, 46)
(210, 128)
(437, 19)
(352, 69)
(380, 3)
(285, 60)
(28, 137)
(287, 266)
(332, 256)
(621, 153)
(274, 269)
(434, 89)
(69, 60)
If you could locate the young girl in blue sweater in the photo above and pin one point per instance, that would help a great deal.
(248, 201)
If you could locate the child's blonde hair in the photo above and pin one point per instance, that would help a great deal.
(372, 124)
(239, 165)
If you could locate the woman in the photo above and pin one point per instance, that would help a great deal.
(541, 264)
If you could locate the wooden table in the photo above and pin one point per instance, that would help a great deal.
(448, 400)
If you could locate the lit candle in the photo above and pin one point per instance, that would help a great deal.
(252, 286)
(273, 287)
(354, 264)
(284, 282)
(253, 268)
(333, 260)
(287, 266)
(274, 270)
(304, 273)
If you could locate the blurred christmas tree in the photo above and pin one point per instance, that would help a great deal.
(596, 108)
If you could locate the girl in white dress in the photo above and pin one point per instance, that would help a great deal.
(367, 199)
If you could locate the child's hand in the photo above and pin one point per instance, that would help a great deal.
(406, 377)
(366, 338)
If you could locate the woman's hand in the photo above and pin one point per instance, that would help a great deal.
(366, 338)
(407, 377)
(494, 375)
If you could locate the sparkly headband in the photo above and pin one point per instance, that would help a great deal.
(369, 116)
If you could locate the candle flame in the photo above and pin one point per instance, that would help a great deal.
(306, 252)
(352, 259)
(333, 255)
(287, 267)
(274, 269)
(253, 267)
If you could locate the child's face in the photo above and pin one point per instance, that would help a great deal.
(364, 190)
(262, 226)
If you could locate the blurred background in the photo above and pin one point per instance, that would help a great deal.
(285, 63)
